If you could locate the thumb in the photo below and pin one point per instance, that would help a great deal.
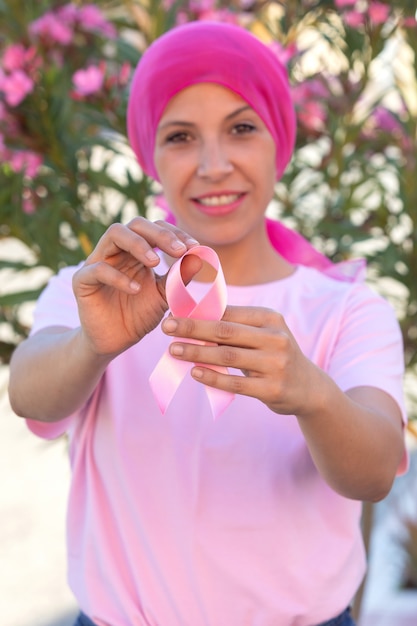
(190, 266)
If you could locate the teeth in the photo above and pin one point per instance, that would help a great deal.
(219, 200)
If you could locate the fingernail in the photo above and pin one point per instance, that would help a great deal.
(151, 255)
(169, 325)
(177, 349)
(197, 373)
(192, 241)
(177, 245)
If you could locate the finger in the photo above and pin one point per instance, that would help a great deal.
(259, 317)
(188, 239)
(269, 393)
(234, 384)
(218, 332)
(121, 238)
(251, 361)
(162, 235)
(98, 274)
(138, 238)
(190, 266)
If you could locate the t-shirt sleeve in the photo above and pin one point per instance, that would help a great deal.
(56, 306)
(368, 350)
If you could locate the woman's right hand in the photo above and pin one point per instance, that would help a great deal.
(120, 297)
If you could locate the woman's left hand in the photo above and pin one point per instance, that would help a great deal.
(256, 341)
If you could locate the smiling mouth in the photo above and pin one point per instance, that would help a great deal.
(222, 200)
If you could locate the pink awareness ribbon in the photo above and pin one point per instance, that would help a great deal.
(170, 372)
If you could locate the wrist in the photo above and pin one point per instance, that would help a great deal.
(88, 353)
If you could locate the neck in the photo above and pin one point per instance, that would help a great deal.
(243, 266)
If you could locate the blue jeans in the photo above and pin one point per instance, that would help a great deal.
(344, 619)
(83, 620)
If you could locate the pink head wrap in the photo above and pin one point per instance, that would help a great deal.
(230, 56)
(212, 52)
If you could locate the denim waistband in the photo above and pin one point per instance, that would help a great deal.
(84, 620)
(343, 619)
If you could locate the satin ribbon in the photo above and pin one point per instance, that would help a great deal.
(170, 372)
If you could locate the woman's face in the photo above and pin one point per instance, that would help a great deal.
(216, 161)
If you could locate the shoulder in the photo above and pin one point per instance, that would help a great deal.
(349, 291)
(350, 308)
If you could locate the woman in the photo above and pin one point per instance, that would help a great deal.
(251, 518)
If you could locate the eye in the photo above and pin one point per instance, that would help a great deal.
(243, 128)
(180, 136)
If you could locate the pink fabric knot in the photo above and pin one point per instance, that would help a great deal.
(170, 372)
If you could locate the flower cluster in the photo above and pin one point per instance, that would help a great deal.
(207, 10)
(62, 26)
(357, 13)
(60, 58)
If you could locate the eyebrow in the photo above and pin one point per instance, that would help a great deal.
(190, 124)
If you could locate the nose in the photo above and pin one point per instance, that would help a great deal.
(214, 162)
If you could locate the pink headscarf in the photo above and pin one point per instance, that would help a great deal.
(230, 56)
(202, 52)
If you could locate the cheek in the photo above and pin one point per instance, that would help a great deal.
(267, 162)
(173, 168)
(269, 173)
(166, 173)
(157, 162)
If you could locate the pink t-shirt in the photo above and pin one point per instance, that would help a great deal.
(180, 520)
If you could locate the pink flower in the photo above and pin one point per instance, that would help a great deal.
(182, 18)
(221, 15)
(409, 22)
(8, 121)
(284, 54)
(312, 89)
(124, 74)
(378, 12)
(14, 57)
(385, 120)
(202, 6)
(3, 149)
(354, 18)
(92, 19)
(28, 202)
(310, 112)
(312, 115)
(68, 14)
(89, 81)
(27, 162)
(16, 86)
(51, 28)
(341, 4)
(17, 57)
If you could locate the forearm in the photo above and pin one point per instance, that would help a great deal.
(53, 373)
(355, 438)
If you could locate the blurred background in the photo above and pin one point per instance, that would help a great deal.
(67, 172)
